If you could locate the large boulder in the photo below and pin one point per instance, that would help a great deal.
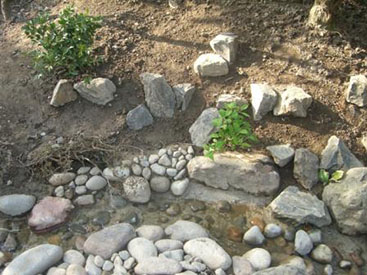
(263, 100)
(254, 173)
(300, 207)
(63, 93)
(211, 64)
(336, 156)
(160, 98)
(203, 127)
(225, 45)
(99, 91)
(357, 90)
(347, 201)
(293, 101)
(306, 168)
(139, 117)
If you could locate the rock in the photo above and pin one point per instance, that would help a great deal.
(357, 90)
(122, 172)
(75, 269)
(209, 252)
(83, 170)
(301, 207)
(84, 200)
(99, 91)
(56, 271)
(293, 101)
(302, 243)
(224, 99)
(16, 204)
(241, 266)
(139, 117)
(364, 141)
(225, 44)
(137, 189)
(315, 235)
(162, 151)
(74, 257)
(322, 254)
(258, 257)
(124, 255)
(49, 213)
(171, 172)
(254, 236)
(336, 156)
(282, 154)
(160, 184)
(306, 168)
(345, 264)
(181, 164)
(180, 175)
(81, 190)
(98, 261)
(184, 93)
(35, 260)
(129, 263)
(160, 98)
(165, 161)
(211, 64)
(272, 230)
(109, 240)
(150, 232)
(10, 243)
(347, 201)
(91, 268)
(158, 265)
(185, 230)
(168, 245)
(252, 173)
(59, 191)
(147, 173)
(96, 183)
(158, 169)
(95, 171)
(61, 178)
(81, 179)
(141, 249)
(203, 127)
(328, 270)
(177, 254)
(220, 271)
(63, 93)
(107, 266)
(179, 187)
(153, 159)
(281, 270)
(137, 170)
(263, 100)
(295, 261)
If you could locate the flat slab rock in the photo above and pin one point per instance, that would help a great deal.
(300, 207)
(158, 265)
(254, 173)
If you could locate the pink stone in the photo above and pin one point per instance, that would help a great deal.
(49, 213)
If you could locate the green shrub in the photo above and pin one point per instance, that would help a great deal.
(64, 46)
(233, 131)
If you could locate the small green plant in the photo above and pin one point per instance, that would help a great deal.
(324, 176)
(233, 130)
(64, 45)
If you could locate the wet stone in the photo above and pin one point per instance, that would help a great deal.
(102, 218)
(77, 228)
(254, 236)
(197, 206)
(223, 206)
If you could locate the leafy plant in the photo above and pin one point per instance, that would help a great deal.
(324, 176)
(64, 45)
(233, 131)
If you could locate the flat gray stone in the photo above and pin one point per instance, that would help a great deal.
(168, 245)
(84, 200)
(16, 204)
(254, 236)
(96, 183)
(61, 178)
(160, 184)
(150, 232)
(99, 91)
(158, 266)
(184, 93)
(306, 168)
(357, 90)
(203, 127)
(263, 100)
(225, 44)
(282, 154)
(211, 65)
(185, 230)
(281, 270)
(302, 243)
(139, 117)
(293, 101)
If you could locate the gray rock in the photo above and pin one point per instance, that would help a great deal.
(224, 99)
(281, 270)
(336, 156)
(171, 172)
(35, 260)
(74, 269)
(81, 190)
(295, 261)
(153, 159)
(137, 189)
(160, 184)
(150, 232)
(220, 271)
(139, 117)
(184, 93)
(96, 183)
(129, 263)
(83, 170)
(147, 173)
(10, 243)
(241, 266)
(347, 201)
(328, 270)
(322, 254)
(109, 240)
(315, 235)
(81, 179)
(61, 178)
(263, 100)
(203, 127)
(84, 200)
(282, 154)
(74, 257)
(57, 271)
(300, 207)
(306, 168)
(164, 160)
(272, 230)
(225, 44)
(91, 268)
(211, 64)
(177, 254)
(158, 265)
(180, 175)
(124, 255)
(141, 249)
(181, 164)
(252, 173)
(158, 169)
(107, 266)
(185, 230)
(162, 151)
(293, 101)
(16, 204)
(59, 191)
(209, 252)
(63, 93)
(168, 245)
(357, 90)
(137, 170)
(254, 236)
(160, 98)
(122, 172)
(179, 187)
(99, 91)
(258, 257)
(302, 243)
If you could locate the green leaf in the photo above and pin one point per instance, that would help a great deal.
(324, 176)
(337, 175)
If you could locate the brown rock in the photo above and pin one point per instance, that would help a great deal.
(235, 234)
(259, 222)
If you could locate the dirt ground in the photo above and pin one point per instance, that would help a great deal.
(139, 36)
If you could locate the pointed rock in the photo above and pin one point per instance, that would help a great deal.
(357, 90)
(263, 100)
(139, 117)
(203, 127)
(306, 168)
(293, 101)
(184, 93)
(63, 93)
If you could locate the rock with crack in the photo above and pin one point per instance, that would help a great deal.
(63, 93)
(347, 201)
(203, 127)
(306, 168)
(225, 44)
(254, 174)
(184, 93)
(211, 64)
(159, 96)
(99, 91)
(293, 101)
(139, 117)
(263, 100)
(357, 91)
